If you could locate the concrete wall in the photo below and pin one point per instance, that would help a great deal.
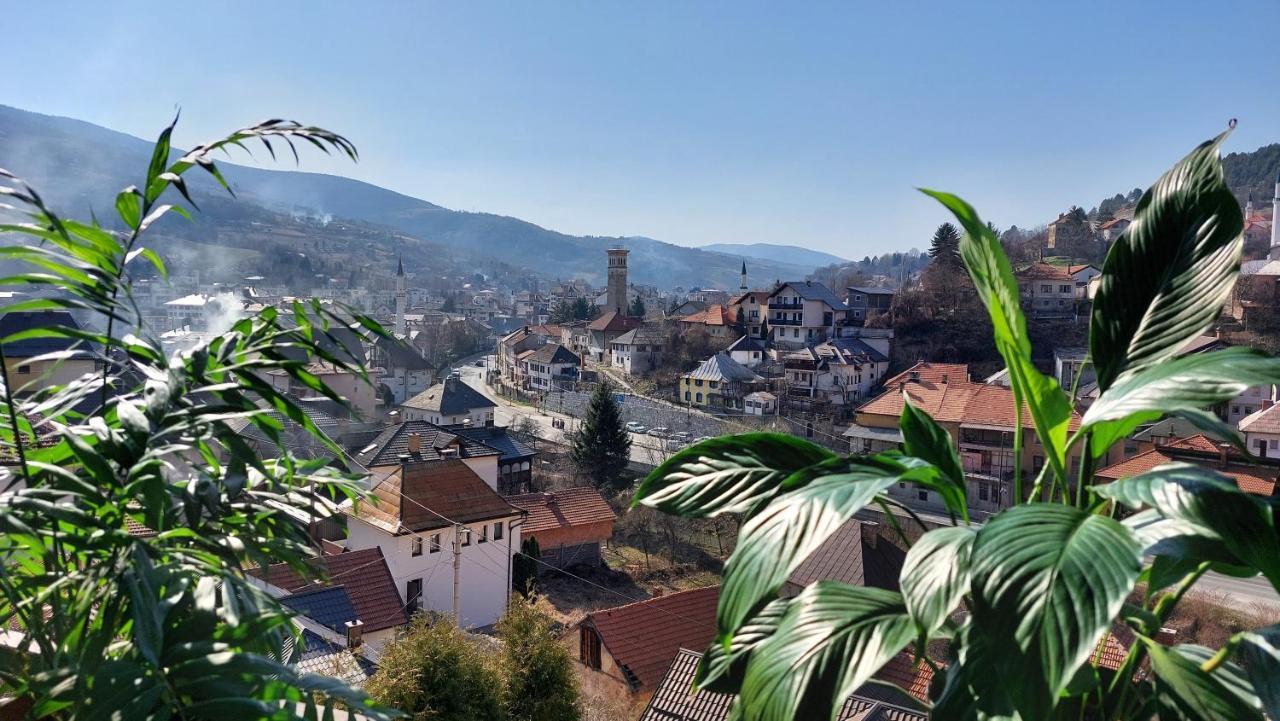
(651, 413)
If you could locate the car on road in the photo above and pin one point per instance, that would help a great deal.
(636, 427)
(700, 439)
(675, 444)
(682, 436)
(660, 432)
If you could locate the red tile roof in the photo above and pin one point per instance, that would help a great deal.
(1073, 269)
(716, 315)
(1198, 442)
(1266, 420)
(1109, 654)
(643, 637)
(425, 496)
(954, 402)
(562, 509)
(1114, 222)
(1044, 271)
(928, 372)
(613, 321)
(1251, 478)
(365, 576)
(913, 678)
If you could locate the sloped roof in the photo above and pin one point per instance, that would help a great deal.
(760, 296)
(451, 397)
(929, 372)
(715, 315)
(1198, 442)
(962, 402)
(1115, 222)
(327, 659)
(839, 558)
(720, 367)
(643, 637)
(812, 290)
(11, 323)
(1266, 420)
(613, 321)
(645, 334)
(562, 509)
(499, 439)
(364, 575)
(402, 354)
(1203, 343)
(675, 699)
(870, 291)
(1073, 269)
(746, 343)
(386, 448)
(846, 351)
(554, 353)
(330, 606)
(1251, 475)
(427, 496)
(1044, 271)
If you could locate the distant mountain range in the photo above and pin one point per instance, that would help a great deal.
(78, 166)
(776, 253)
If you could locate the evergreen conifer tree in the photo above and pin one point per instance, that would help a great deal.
(944, 249)
(637, 307)
(524, 569)
(601, 447)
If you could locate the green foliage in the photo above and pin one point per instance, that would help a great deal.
(637, 308)
(436, 671)
(524, 568)
(944, 248)
(601, 447)
(121, 625)
(540, 681)
(1022, 602)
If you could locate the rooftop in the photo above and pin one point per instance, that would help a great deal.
(721, 367)
(11, 323)
(644, 636)
(1266, 420)
(929, 372)
(613, 322)
(452, 397)
(562, 509)
(961, 401)
(1044, 271)
(386, 448)
(363, 574)
(554, 353)
(428, 496)
(1252, 475)
(812, 290)
(715, 315)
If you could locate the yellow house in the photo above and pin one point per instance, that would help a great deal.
(37, 363)
(718, 382)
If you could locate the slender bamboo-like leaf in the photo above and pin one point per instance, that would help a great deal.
(935, 576)
(729, 474)
(1047, 582)
(1168, 274)
(832, 639)
(923, 438)
(993, 279)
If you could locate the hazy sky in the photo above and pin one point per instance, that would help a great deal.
(692, 122)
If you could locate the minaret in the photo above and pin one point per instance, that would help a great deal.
(616, 296)
(1275, 214)
(743, 285)
(1248, 207)
(401, 300)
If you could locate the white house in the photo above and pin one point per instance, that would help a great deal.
(1084, 275)
(803, 313)
(760, 403)
(841, 371)
(423, 442)
(747, 351)
(551, 366)
(448, 403)
(638, 351)
(1248, 403)
(426, 515)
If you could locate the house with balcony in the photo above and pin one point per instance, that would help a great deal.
(719, 382)
(603, 331)
(755, 308)
(838, 373)
(864, 302)
(510, 348)
(551, 367)
(803, 313)
(1047, 290)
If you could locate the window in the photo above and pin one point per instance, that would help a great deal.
(466, 535)
(699, 398)
(984, 494)
(589, 647)
(1037, 462)
(1274, 443)
(415, 546)
(922, 494)
(686, 395)
(434, 545)
(24, 370)
(497, 531)
(1235, 410)
(413, 594)
(713, 384)
(1064, 289)
(484, 533)
(698, 383)
(1045, 288)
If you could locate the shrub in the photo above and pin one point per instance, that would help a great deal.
(436, 671)
(539, 680)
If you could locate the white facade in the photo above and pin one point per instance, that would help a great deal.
(796, 322)
(426, 559)
(1251, 400)
(760, 403)
(474, 416)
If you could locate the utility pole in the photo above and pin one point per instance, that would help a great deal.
(457, 571)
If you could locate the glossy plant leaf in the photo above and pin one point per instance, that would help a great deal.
(923, 438)
(993, 279)
(935, 576)
(1047, 582)
(1169, 273)
(722, 670)
(1260, 651)
(1184, 690)
(1190, 384)
(730, 474)
(814, 503)
(1206, 511)
(832, 639)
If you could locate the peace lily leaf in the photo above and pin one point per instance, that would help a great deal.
(1168, 274)
(1047, 582)
(923, 438)
(722, 670)
(1260, 651)
(1205, 509)
(1185, 691)
(730, 474)
(969, 691)
(993, 279)
(1190, 383)
(813, 504)
(935, 576)
(832, 639)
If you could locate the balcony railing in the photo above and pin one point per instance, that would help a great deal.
(781, 305)
(784, 321)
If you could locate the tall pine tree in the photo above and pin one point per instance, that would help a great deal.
(637, 308)
(601, 447)
(944, 249)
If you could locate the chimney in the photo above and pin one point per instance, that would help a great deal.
(1166, 636)
(1223, 450)
(944, 377)
(396, 418)
(551, 498)
(1267, 403)
(355, 633)
(870, 533)
(448, 452)
(403, 458)
(415, 443)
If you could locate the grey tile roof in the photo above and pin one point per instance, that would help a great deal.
(720, 367)
(329, 606)
(499, 439)
(554, 353)
(646, 334)
(387, 447)
(746, 343)
(871, 291)
(839, 558)
(451, 397)
(11, 323)
(328, 659)
(811, 290)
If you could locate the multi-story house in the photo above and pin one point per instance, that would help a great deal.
(755, 308)
(401, 368)
(450, 402)
(803, 313)
(865, 302)
(28, 361)
(551, 367)
(1047, 290)
(747, 350)
(511, 346)
(361, 394)
(840, 373)
(638, 351)
(719, 382)
(602, 331)
(1084, 275)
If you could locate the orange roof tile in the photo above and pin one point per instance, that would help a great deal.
(643, 637)
(363, 573)
(1256, 479)
(1109, 654)
(613, 321)
(1198, 442)
(928, 372)
(1044, 271)
(1266, 420)
(425, 496)
(955, 402)
(717, 315)
(562, 509)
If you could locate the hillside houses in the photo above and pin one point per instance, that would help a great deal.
(803, 313)
(719, 382)
(450, 402)
(840, 372)
(1047, 290)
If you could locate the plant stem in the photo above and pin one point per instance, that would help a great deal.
(13, 422)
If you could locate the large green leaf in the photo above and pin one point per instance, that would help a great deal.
(1047, 582)
(1190, 383)
(1202, 511)
(832, 639)
(923, 438)
(935, 575)
(1184, 690)
(968, 690)
(723, 669)
(730, 474)
(1260, 650)
(993, 279)
(814, 503)
(1168, 274)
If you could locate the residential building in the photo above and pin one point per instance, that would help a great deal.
(1047, 290)
(515, 458)
(747, 350)
(423, 442)
(423, 516)
(27, 361)
(760, 403)
(638, 351)
(402, 370)
(361, 394)
(864, 302)
(602, 331)
(838, 373)
(1252, 474)
(755, 308)
(551, 367)
(1261, 430)
(1084, 275)
(1251, 401)
(1112, 229)
(719, 382)
(571, 525)
(717, 321)
(509, 349)
(803, 313)
(202, 312)
(450, 402)
(345, 593)
(1070, 363)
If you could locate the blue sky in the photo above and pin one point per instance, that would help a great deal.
(692, 122)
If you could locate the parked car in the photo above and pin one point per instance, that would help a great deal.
(660, 432)
(700, 439)
(636, 427)
(675, 444)
(683, 436)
